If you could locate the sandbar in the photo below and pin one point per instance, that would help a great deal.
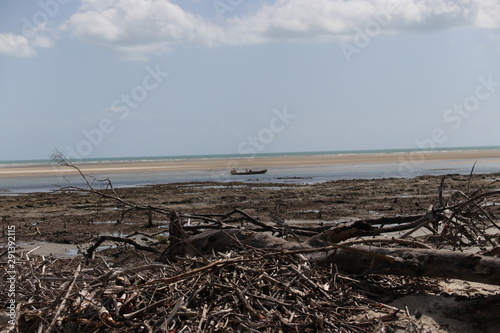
(255, 162)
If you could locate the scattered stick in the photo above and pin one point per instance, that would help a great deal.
(389, 241)
(92, 249)
(64, 299)
(203, 318)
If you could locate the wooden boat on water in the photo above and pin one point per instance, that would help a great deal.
(248, 172)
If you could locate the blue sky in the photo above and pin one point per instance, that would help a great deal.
(116, 78)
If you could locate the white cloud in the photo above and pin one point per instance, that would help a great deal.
(297, 20)
(20, 46)
(488, 14)
(25, 45)
(135, 27)
(15, 45)
(333, 20)
(138, 28)
(42, 42)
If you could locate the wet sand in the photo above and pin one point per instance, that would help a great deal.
(257, 162)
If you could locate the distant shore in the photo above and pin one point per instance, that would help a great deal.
(408, 158)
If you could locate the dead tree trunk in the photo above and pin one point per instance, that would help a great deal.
(480, 310)
(352, 259)
(223, 240)
(414, 262)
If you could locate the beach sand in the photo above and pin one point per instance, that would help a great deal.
(413, 158)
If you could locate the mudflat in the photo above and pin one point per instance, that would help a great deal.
(78, 217)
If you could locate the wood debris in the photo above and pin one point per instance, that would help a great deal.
(227, 292)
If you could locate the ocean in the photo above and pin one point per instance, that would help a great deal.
(291, 174)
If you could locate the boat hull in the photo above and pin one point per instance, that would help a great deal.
(252, 172)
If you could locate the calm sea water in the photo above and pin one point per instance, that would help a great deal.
(279, 175)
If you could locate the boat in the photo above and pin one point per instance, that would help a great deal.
(248, 172)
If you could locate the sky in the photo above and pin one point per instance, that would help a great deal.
(125, 78)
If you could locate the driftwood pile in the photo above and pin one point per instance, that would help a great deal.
(244, 291)
(236, 273)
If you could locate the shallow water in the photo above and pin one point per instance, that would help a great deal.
(284, 175)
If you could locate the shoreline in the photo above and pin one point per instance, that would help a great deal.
(408, 158)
